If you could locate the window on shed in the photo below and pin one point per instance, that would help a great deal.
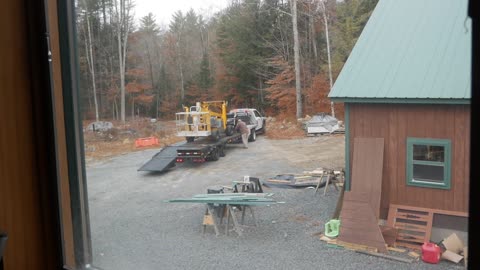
(428, 163)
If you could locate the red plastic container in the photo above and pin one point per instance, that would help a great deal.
(430, 253)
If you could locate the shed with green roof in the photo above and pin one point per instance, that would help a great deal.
(407, 80)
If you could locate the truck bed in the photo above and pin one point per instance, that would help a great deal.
(166, 157)
(201, 143)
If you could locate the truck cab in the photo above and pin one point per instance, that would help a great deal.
(258, 119)
(248, 117)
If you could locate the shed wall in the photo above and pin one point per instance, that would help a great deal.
(396, 122)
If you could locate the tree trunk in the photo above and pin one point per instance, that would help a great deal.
(261, 90)
(298, 89)
(115, 103)
(182, 86)
(133, 109)
(123, 27)
(122, 81)
(325, 22)
(90, 59)
(150, 66)
(314, 42)
(180, 69)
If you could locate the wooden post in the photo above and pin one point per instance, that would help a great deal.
(338, 208)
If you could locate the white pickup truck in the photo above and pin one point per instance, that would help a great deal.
(255, 119)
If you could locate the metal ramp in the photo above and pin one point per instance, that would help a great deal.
(161, 161)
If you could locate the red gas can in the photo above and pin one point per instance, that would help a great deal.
(430, 253)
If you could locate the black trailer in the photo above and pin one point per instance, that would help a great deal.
(199, 150)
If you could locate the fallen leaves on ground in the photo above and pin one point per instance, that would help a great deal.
(283, 129)
(121, 139)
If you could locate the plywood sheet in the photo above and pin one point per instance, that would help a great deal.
(360, 227)
(361, 205)
(367, 170)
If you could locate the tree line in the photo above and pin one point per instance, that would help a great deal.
(275, 55)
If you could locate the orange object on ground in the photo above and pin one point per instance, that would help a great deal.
(148, 141)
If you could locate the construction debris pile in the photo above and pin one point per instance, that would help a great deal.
(323, 123)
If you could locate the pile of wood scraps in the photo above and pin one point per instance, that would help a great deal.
(335, 243)
(320, 177)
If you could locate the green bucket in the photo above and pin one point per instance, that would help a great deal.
(332, 228)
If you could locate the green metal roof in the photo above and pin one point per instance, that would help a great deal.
(410, 51)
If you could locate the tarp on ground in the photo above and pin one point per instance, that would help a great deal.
(322, 123)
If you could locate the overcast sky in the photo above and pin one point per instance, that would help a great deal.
(164, 9)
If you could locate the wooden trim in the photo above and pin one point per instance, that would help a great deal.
(73, 133)
(447, 164)
(347, 148)
(28, 187)
(61, 146)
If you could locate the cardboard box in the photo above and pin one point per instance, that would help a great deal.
(453, 244)
(451, 256)
(454, 248)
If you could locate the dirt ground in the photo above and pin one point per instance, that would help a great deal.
(121, 139)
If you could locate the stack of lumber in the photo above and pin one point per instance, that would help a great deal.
(229, 198)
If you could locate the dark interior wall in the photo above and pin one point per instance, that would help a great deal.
(28, 212)
(396, 122)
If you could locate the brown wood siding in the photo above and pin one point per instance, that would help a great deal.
(397, 122)
(64, 189)
(25, 201)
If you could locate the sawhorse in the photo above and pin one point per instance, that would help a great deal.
(210, 219)
(331, 178)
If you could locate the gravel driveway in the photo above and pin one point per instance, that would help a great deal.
(133, 229)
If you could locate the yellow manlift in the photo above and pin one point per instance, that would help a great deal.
(207, 118)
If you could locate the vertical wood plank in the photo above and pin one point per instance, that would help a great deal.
(466, 165)
(459, 148)
(64, 188)
(401, 154)
(17, 160)
(392, 142)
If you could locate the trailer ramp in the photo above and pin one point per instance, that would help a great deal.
(161, 161)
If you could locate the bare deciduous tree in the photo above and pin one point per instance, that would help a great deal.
(122, 19)
(298, 89)
(325, 22)
(89, 56)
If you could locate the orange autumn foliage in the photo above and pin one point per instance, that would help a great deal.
(281, 92)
